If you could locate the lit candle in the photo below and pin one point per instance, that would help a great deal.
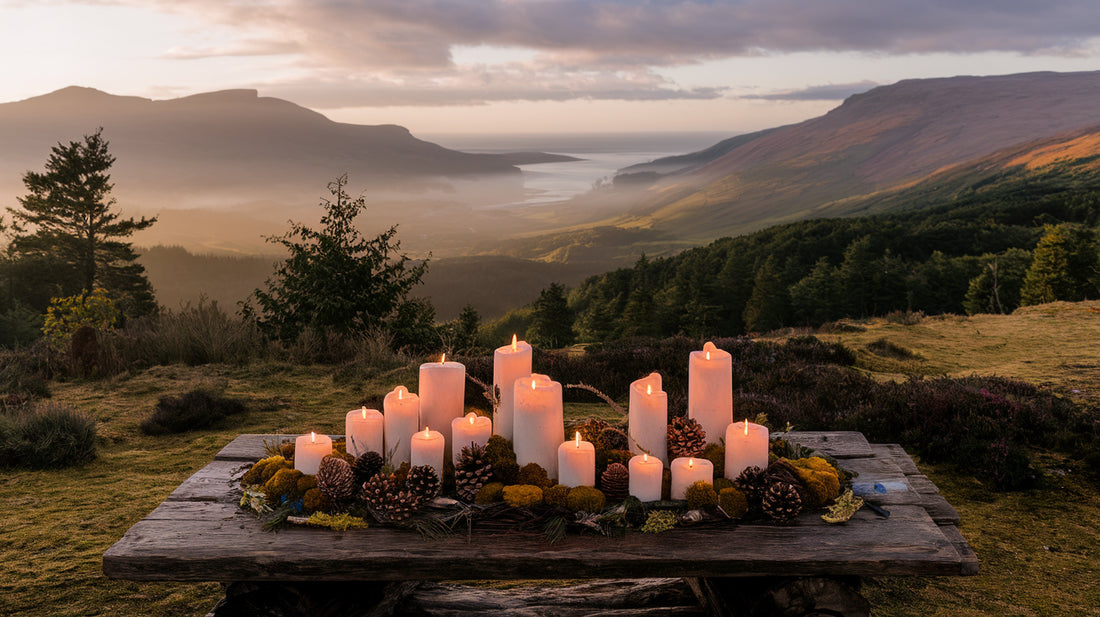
(539, 424)
(402, 419)
(688, 471)
(309, 450)
(746, 446)
(710, 390)
(442, 395)
(470, 429)
(577, 463)
(510, 362)
(427, 449)
(363, 430)
(649, 417)
(645, 477)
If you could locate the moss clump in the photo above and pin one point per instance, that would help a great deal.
(585, 499)
(716, 454)
(733, 502)
(283, 486)
(305, 483)
(503, 459)
(820, 479)
(339, 522)
(339, 445)
(523, 495)
(316, 501)
(701, 494)
(262, 471)
(556, 495)
(287, 450)
(491, 492)
(658, 521)
(344, 455)
(722, 483)
(534, 474)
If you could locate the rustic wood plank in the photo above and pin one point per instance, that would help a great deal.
(922, 484)
(966, 553)
(897, 454)
(940, 511)
(838, 444)
(249, 447)
(215, 482)
(216, 541)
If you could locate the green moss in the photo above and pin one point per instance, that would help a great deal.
(491, 492)
(722, 483)
(282, 486)
(585, 499)
(556, 495)
(316, 501)
(256, 475)
(701, 494)
(533, 473)
(733, 502)
(339, 522)
(820, 479)
(306, 482)
(523, 495)
(503, 459)
(716, 454)
(658, 521)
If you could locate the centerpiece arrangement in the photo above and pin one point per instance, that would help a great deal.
(420, 463)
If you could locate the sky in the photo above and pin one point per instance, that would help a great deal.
(534, 66)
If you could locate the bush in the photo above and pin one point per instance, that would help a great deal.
(196, 409)
(46, 436)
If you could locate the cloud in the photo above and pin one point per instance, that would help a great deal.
(827, 92)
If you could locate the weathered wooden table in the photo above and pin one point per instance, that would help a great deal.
(200, 534)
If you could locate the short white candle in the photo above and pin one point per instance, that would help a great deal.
(442, 395)
(687, 471)
(427, 449)
(510, 362)
(309, 450)
(470, 429)
(646, 477)
(710, 390)
(746, 446)
(539, 423)
(402, 419)
(577, 463)
(363, 431)
(648, 417)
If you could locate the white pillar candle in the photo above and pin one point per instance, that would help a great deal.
(687, 471)
(648, 417)
(363, 431)
(577, 463)
(645, 477)
(539, 424)
(402, 419)
(470, 429)
(442, 395)
(510, 362)
(710, 390)
(309, 450)
(426, 448)
(746, 446)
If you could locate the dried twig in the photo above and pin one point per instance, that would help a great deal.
(607, 399)
(490, 392)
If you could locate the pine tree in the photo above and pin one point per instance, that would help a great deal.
(1062, 268)
(767, 306)
(552, 319)
(67, 216)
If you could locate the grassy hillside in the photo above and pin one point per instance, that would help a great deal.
(1037, 548)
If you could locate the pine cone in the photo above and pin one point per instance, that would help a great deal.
(782, 502)
(472, 471)
(376, 490)
(368, 464)
(612, 438)
(422, 483)
(685, 438)
(335, 479)
(615, 482)
(782, 471)
(387, 501)
(752, 482)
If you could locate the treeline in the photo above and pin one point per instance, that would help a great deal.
(1025, 240)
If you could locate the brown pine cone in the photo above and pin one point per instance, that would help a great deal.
(615, 482)
(782, 502)
(335, 479)
(782, 471)
(368, 464)
(685, 438)
(752, 482)
(422, 483)
(472, 471)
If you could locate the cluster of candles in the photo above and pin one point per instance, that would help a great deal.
(422, 430)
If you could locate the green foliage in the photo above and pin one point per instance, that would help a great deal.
(47, 435)
(552, 319)
(701, 494)
(66, 217)
(1063, 267)
(65, 316)
(585, 499)
(522, 495)
(19, 326)
(194, 410)
(334, 279)
(997, 288)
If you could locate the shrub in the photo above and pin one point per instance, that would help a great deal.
(46, 436)
(196, 409)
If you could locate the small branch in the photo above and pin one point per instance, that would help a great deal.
(607, 399)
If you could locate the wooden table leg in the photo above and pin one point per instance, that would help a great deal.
(781, 596)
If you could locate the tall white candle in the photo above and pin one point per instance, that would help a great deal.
(648, 417)
(427, 449)
(687, 471)
(402, 419)
(470, 429)
(363, 430)
(442, 395)
(510, 362)
(309, 450)
(577, 463)
(710, 390)
(539, 423)
(746, 446)
(645, 477)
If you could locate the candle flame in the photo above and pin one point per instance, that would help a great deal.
(471, 418)
(578, 438)
(645, 457)
(426, 433)
(649, 388)
(708, 355)
(400, 394)
(515, 347)
(746, 426)
(443, 358)
(691, 463)
(312, 437)
(532, 384)
(364, 412)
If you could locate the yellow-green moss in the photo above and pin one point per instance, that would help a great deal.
(534, 474)
(503, 459)
(493, 491)
(658, 521)
(585, 499)
(721, 483)
(716, 454)
(339, 522)
(316, 501)
(523, 495)
(556, 495)
(258, 475)
(701, 494)
(284, 484)
(733, 502)
(820, 478)
(306, 482)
